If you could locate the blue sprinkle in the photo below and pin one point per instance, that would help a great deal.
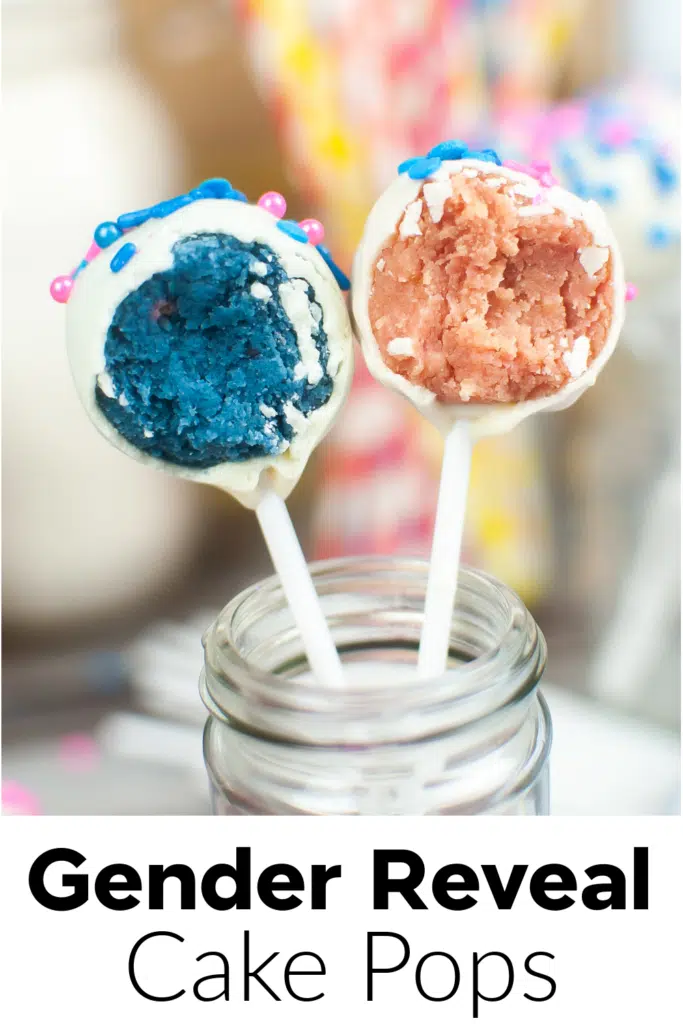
(122, 257)
(491, 156)
(169, 206)
(567, 160)
(452, 149)
(291, 228)
(216, 188)
(406, 164)
(339, 275)
(423, 167)
(107, 233)
(666, 176)
(606, 193)
(603, 148)
(133, 220)
(581, 189)
(659, 236)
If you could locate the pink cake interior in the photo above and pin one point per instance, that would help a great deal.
(487, 305)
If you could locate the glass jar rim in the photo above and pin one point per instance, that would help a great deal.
(506, 672)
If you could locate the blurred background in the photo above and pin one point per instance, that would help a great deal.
(111, 572)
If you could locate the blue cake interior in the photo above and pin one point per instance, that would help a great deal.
(200, 368)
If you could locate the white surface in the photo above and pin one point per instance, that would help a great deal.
(290, 565)
(444, 563)
(98, 292)
(380, 226)
(129, 736)
(604, 762)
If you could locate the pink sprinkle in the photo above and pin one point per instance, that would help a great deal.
(60, 288)
(92, 252)
(566, 120)
(515, 166)
(17, 799)
(617, 133)
(631, 292)
(274, 203)
(314, 230)
(538, 169)
(78, 752)
(542, 172)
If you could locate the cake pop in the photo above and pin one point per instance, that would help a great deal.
(483, 292)
(209, 337)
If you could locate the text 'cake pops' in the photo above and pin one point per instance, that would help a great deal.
(210, 337)
(484, 291)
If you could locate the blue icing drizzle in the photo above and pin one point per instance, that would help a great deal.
(212, 188)
(134, 219)
(291, 228)
(168, 206)
(198, 358)
(339, 275)
(123, 256)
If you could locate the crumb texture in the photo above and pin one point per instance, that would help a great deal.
(494, 297)
(217, 359)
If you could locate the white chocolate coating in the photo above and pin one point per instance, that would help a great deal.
(379, 228)
(98, 292)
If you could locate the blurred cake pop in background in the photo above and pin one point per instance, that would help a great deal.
(621, 149)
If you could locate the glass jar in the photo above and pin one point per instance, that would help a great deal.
(475, 740)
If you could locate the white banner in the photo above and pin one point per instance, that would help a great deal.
(487, 919)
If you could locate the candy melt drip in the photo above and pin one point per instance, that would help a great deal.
(108, 233)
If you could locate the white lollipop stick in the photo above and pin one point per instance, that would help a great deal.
(290, 565)
(444, 564)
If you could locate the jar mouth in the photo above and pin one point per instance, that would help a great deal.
(497, 653)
